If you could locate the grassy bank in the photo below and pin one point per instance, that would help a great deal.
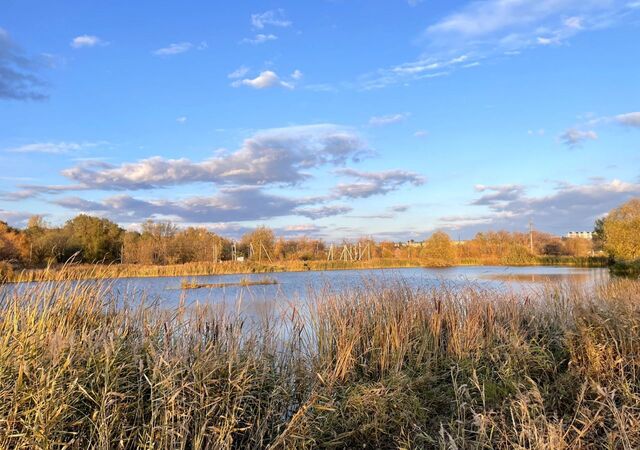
(100, 271)
(377, 367)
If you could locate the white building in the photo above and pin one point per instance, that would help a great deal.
(580, 234)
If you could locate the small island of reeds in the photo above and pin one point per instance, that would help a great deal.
(185, 284)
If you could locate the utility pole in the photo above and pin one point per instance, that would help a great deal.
(266, 252)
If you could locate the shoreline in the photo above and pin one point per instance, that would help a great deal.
(100, 272)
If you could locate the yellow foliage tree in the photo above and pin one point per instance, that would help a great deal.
(262, 242)
(439, 246)
(622, 231)
(13, 244)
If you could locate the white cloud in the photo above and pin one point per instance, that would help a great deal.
(494, 28)
(52, 147)
(567, 207)
(260, 39)
(421, 133)
(631, 119)
(86, 40)
(274, 156)
(545, 41)
(375, 183)
(380, 121)
(296, 75)
(494, 195)
(266, 79)
(481, 18)
(182, 119)
(301, 228)
(174, 49)
(239, 72)
(574, 22)
(324, 211)
(274, 18)
(424, 68)
(573, 137)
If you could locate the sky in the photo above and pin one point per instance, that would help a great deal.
(328, 118)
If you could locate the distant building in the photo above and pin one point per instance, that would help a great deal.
(580, 234)
(409, 243)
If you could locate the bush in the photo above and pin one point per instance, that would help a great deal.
(6, 271)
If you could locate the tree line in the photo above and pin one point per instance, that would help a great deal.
(89, 239)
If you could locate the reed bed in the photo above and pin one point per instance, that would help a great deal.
(75, 271)
(244, 281)
(375, 367)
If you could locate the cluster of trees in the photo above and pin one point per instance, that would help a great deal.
(518, 246)
(503, 247)
(97, 240)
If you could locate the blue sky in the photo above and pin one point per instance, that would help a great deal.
(338, 119)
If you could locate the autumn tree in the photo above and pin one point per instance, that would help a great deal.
(45, 242)
(578, 246)
(439, 246)
(93, 239)
(197, 244)
(13, 244)
(622, 231)
(157, 243)
(261, 240)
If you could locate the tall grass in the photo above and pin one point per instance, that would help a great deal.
(374, 367)
(75, 271)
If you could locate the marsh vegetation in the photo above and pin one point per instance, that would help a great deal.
(194, 284)
(375, 366)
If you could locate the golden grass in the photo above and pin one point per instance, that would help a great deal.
(374, 367)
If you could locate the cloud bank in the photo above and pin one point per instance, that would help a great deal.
(19, 77)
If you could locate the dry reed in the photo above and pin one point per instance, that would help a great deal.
(374, 367)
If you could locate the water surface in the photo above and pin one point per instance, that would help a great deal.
(296, 286)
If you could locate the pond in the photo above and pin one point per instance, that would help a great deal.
(284, 292)
(296, 286)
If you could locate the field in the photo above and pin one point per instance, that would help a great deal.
(375, 367)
